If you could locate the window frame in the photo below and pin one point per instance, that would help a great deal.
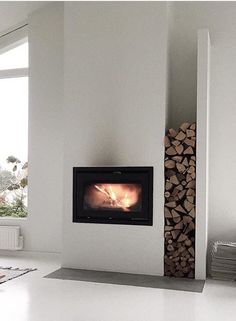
(14, 73)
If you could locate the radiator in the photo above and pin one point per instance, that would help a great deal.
(10, 238)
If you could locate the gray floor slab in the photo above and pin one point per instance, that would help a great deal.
(140, 280)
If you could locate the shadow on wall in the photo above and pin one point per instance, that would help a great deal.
(107, 153)
(182, 69)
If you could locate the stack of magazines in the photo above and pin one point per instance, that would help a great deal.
(223, 264)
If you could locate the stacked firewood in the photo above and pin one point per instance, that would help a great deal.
(180, 181)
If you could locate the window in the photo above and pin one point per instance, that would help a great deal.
(14, 131)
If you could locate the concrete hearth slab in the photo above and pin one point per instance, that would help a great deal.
(140, 280)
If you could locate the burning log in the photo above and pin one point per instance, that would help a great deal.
(113, 196)
(180, 175)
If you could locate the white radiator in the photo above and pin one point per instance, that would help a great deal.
(10, 238)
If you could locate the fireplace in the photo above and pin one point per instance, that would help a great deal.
(113, 195)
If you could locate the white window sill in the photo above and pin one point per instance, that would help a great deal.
(10, 218)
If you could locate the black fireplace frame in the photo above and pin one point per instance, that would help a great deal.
(142, 175)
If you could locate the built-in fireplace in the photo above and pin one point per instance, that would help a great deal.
(113, 195)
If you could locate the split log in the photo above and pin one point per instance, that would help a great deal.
(171, 151)
(169, 163)
(182, 238)
(181, 168)
(185, 162)
(179, 149)
(187, 219)
(166, 234)
(188, 242)
(180, 136)
(167, 141)
(172, 133)
(175, 142)
(170, 173)
(188, 206)
(182, 248)
(179, 226)
(170, 247)
(189, 142)
(168, 185)
(168, 228)
(192, 162)
(175, 192)
(187, 151)
(171, 204)
(175, 214)
(193, 175)
(190, 192)
(167, 213)
(193, 126)
(191, 251)
(190, 199)
(176, 219)
(180, 209)
(183, 263)
(177, 158)
(182, 194)
(174, 180)
(188, 178)
(191, 184)
(167, 194)
(191, 169)
(179, 187)
(192, 212)
(184, 126)
(175, 233)
(190, 227)
(190, 133)
(180, 176)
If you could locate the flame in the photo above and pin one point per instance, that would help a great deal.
(113, 196)
(126, 201)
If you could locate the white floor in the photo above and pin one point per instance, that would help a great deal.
(33, 298)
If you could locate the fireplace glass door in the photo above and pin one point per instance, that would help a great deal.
(120, 195)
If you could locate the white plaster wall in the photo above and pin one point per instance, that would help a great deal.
(42, 228)
(115, 105)
(219, 18)
(202, 169)
(14, 12)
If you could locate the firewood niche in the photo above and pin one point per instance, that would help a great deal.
(180, 182)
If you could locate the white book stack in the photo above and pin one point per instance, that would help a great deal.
(223, 263)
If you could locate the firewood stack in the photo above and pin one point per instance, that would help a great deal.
(180, 181)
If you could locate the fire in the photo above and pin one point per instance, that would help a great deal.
(113, 196)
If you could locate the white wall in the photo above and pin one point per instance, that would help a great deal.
(14, 12)
(45, 129)
(115, 104)
(42, 228)
(202, 143)
(219, 18)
